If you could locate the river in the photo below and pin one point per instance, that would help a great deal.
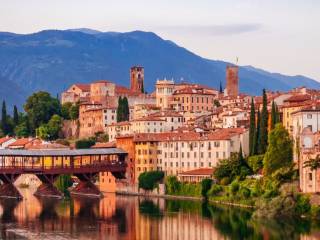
(127, 217)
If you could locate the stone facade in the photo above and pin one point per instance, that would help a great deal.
(232, 80)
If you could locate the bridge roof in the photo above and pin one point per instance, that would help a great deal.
(62, 152)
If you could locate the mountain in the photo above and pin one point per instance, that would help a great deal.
(52, 60)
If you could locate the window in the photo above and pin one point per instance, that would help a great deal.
(309, 116)
(310, 176)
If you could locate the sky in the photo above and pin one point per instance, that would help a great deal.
(275, 35)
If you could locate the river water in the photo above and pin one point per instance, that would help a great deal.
(126, 217)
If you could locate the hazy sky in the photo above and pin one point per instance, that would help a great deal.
(276, 35)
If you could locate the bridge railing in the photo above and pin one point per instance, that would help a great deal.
(101, 165)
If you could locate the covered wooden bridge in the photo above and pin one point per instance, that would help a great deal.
(47, 165)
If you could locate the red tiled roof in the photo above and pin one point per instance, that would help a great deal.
(47, 146)
(298, 98)
(5, 139)
(199, 171)
(104, 145)
(21, 142)
(219, 134)
(120, 123)
(84, 87)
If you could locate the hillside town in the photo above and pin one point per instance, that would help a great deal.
(183, 129)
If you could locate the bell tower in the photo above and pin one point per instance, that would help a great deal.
(137, 79)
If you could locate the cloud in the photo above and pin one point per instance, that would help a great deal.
(213, 30)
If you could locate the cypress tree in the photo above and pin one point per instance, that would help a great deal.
(120, 110)
(252, 129)
(257, 134)
(263, 138)
(126, 111)
(220, 89)
(274, 115)
(4, 119)
(15, 116)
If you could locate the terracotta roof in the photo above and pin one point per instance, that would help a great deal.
(298, 98)
(48, 146)
(219, 134)
(84, 87)
(120, 123)
(194, 90)
(199, 171)
(105, 145)
(5, 139)
(149, 118)
(21, 142)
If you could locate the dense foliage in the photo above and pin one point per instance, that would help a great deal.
(205, 186)
(150, 180)
(40, 107)
(263, 133)
(84, 143)
(232, 167)
(280, 150)
(50, 130)
(174, 187)
(123, 110)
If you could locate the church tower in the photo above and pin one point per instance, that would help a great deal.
(137, 79)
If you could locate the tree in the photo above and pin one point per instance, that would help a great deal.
(220, 88)
(123, 110)
(40, 107)
(51, 130)
(216, 103)
(74, 111)
(257, 134)
(15, 115)
(4, 119)
(65, 110)
(85, 143)
(274, 115)
(263, 135)
(126, 109)
(205, 186)
(313, 163)
(280, 150)
(120, 110)
(22, 130)
(252, 129)
(150, 180)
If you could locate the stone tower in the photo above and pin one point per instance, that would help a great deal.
(232, 79)
(136, 79)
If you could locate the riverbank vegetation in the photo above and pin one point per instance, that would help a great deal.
(267, 182)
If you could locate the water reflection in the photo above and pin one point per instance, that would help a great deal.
(120, 217)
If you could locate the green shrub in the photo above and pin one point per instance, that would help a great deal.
(315, 211)
(149, 180)
(84, 143)
(303, 204)
(172, 185)
(205, 186)
(244, 192)
(225, 181)
(234, 187)
(214, 190)
(255, 162)
(257, 189)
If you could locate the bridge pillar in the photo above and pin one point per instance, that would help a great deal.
(7, 188)
(47, 189)
(86, 186)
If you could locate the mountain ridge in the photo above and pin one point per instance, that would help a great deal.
(51, 60)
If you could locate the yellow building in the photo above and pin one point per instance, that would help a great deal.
(145, 155)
